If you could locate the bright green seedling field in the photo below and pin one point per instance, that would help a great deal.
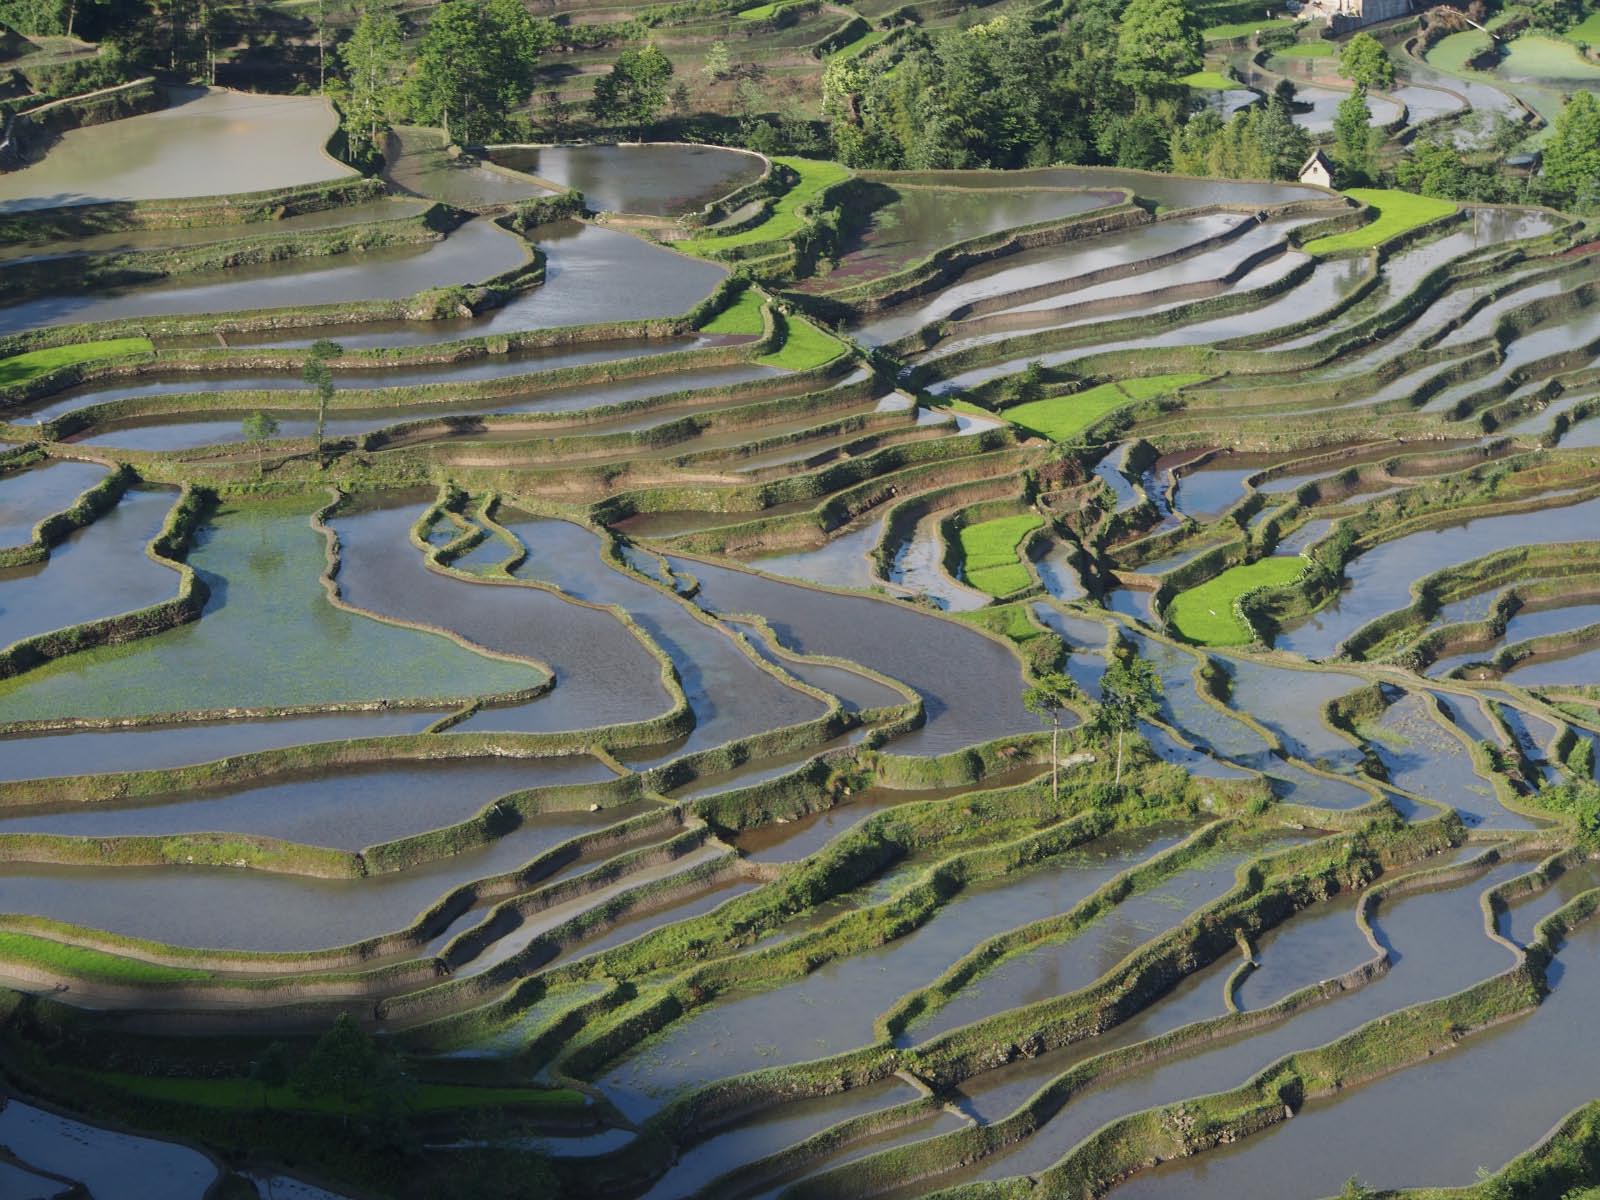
(990, 553)
(1396, 213)
(804, 347)
(263, 563)
(1062, 417)
(743, 316)
(784, 221)
(1205, 614)
(1209, 81)
(22, 367)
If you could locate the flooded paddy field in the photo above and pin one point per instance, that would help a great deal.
(657, 180)
(625, 746)
(203, 143)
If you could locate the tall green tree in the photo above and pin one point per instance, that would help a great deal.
(369, 94)
(1047, 699)
(342, 1065)
(1130, 691)
(1355, 142)
(271, 1070)
(475, 67)
(1158, 43)
(1572, 156)
(259, 429)
(319, 377)
(1364, 60)
(634, 90)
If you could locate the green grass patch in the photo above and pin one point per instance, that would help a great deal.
(804, 346)
(742, 316)
(1008, 620)
(784, 220)
(1587, 31)
(23, 367)
(1210, 81)
(861, 45)
(1062, 417)
(82, 963)
(246, 1094)
(760, 12)
(1396, 212)
(1240, 29)
(990, 553)
(1205, 614)
(1308, 50)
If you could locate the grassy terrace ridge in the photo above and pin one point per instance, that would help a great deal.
(248, 1094)
(80, 962)
(1061, 418)
(1394, 213)
(815, 177)
(990, 553)
(21, 368)
(1207, 614)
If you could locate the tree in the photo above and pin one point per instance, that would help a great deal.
(748, 98)
(634, 90)
(718, 62)
(475, 66)
(1353, 142)
(680, 99)
(374, 64)
(342, 1065)
(1365, 61)
(318, 377)
(1130, 691)
(271, 1070)
(1159, 42)
(259, 429)
(1572, 156)
(1045, 700)
(559, 115)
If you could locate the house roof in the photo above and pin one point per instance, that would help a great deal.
(1318, 158)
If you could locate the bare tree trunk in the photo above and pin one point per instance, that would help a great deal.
(322, 44)
(72, 14)
(1055, 763)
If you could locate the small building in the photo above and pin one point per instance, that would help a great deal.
(1343, 16)
(1317, 170)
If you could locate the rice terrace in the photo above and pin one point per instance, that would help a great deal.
(687, 600)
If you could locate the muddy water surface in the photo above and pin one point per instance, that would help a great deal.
(206, 142)
(969, 683)
(603, 673)
(1540, 1070)
(98, 571)
(656, 179)
(345, 809)
(28, 497)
